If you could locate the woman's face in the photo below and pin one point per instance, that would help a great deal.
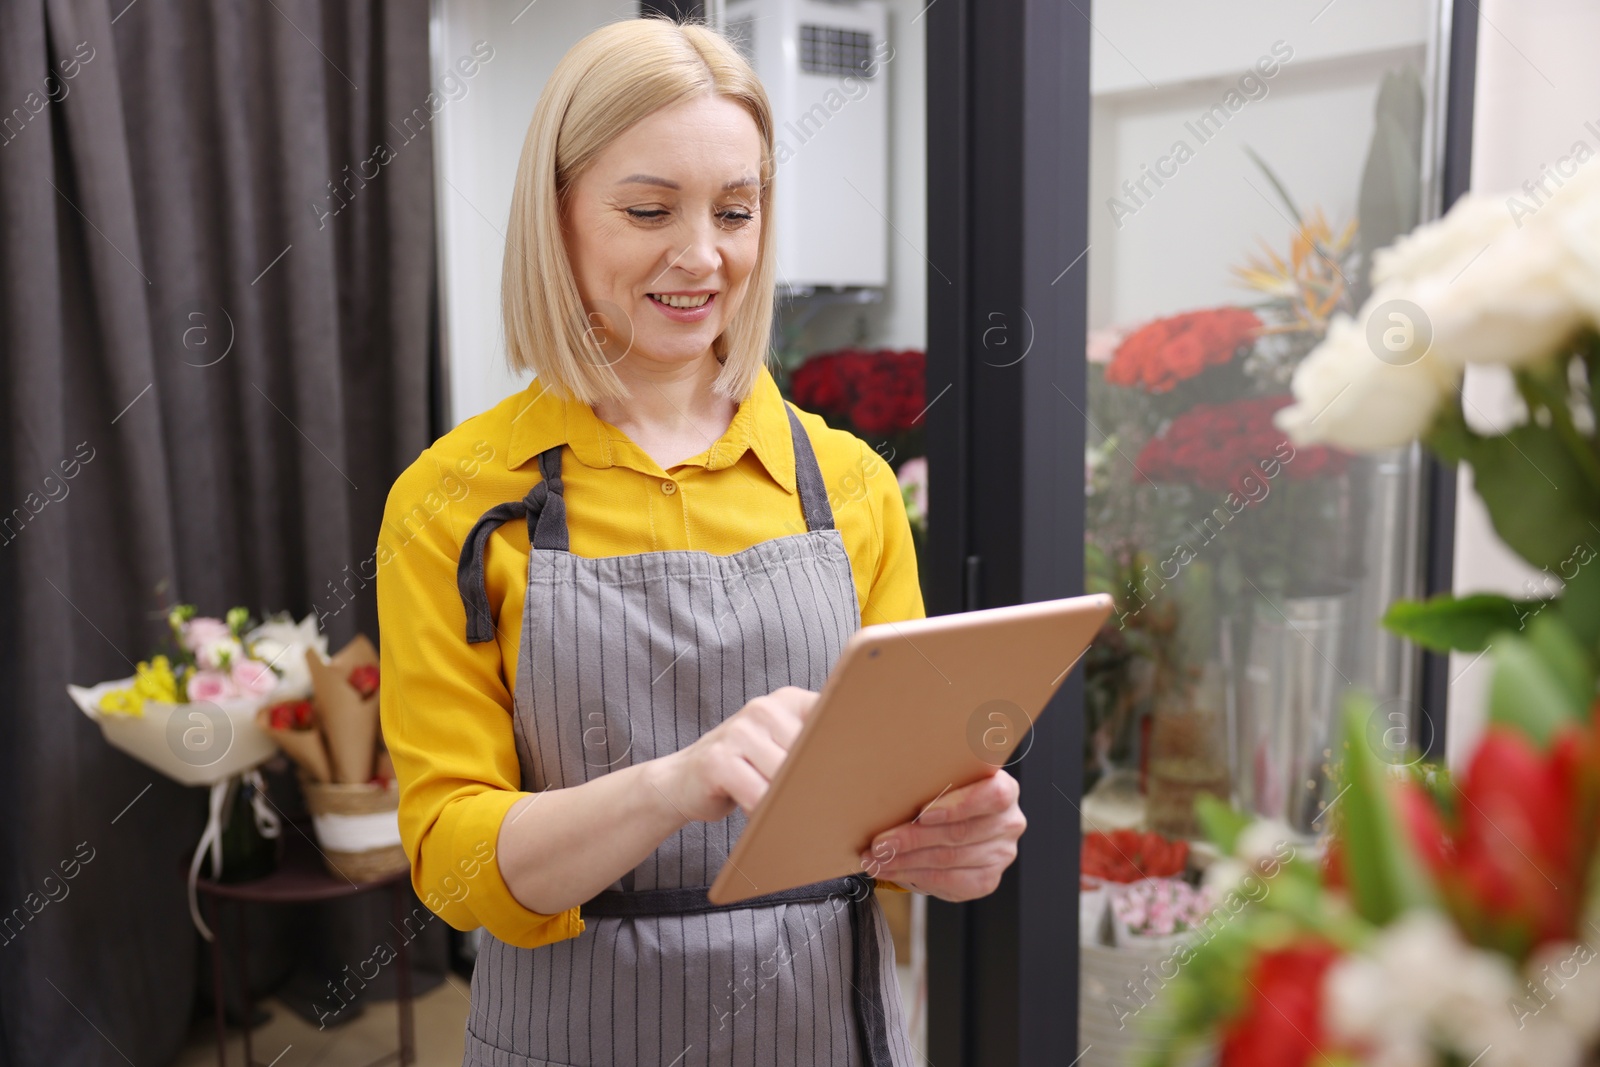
(672, 206)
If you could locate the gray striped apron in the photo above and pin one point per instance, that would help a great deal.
(627, 658)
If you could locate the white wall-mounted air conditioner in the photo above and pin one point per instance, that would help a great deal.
(822, 65)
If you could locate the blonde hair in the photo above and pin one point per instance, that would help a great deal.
(605, 83)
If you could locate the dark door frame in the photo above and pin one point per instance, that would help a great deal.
(1008, 130)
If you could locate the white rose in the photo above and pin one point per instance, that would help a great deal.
(282, 645)
(1346, 396)
(1355, 1001)
(1265, 842)
(1445, 244)
(1576, 223)
(220, 654)
(1513, 304)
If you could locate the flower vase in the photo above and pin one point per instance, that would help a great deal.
(1288, 701)
(247, 854)
(1187, 753)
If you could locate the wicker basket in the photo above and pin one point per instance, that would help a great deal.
(1106, 1032)
(358, 829)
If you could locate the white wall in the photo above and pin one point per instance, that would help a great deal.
(1537, 85)
(478, 139)
(1312, 126)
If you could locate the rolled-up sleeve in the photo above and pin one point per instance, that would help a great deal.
(447, 719)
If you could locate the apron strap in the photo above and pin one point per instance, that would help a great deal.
(808, 477)
(867, 977)
(545, 508)
(546, 511)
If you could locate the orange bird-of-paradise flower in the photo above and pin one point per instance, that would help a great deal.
(1310, 282)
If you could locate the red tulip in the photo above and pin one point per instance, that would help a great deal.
(1512, 861)
(1281, 1024)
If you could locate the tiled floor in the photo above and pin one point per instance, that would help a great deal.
(289, 1041)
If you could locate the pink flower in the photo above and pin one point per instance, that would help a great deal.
(913, 474)
(211, 686)
(253, 678)
(198, 633)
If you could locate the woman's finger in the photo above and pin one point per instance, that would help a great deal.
(763, 753)
(741, 781)
(910, 837)
(949, 857)
(987, 795)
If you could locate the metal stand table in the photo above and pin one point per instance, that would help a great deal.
(300, 879)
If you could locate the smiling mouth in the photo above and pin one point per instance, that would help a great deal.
(683, 302)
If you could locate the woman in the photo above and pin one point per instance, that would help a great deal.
(607, 604)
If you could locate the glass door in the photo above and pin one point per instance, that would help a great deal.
(1245, 160)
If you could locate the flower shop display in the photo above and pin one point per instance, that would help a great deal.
(191, 714)
(1118, 857)
(1131, 855)
(1137, 908)
(348, 780)
(880, 396)
(1157, 912)
(876, 394)
(1227, 544)
(1454, 917)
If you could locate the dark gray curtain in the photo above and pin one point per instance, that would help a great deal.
(214, 364)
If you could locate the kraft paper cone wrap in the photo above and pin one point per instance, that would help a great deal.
(305, 747)
(349, 724)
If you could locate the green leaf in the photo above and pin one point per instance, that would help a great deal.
(1571, 666)
(1448, 623)
(1385, 877)
(1527, 691)
(1283, 193)
(1220, 821)
(1580, 601)
(1537, 494)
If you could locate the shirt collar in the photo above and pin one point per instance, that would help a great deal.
(544, 419)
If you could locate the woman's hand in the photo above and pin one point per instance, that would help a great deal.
(731, 765)
(958, 847)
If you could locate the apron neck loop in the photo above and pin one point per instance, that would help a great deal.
(808, 477)
(547, 507)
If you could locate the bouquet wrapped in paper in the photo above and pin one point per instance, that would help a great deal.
(332, 737)
(192, 714)
(347, 778)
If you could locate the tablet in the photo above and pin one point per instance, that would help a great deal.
(910, 711)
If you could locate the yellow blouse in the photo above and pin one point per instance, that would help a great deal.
(446, 705)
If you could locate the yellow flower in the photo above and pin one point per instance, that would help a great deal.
(122, 702)
(154, 680)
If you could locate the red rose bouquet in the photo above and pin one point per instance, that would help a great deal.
(1227, 447)
(879, 395)
(1129, 855)
(1160, 354)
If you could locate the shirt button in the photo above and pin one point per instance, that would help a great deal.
(669, 487)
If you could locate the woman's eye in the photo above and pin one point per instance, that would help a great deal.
(733, 217)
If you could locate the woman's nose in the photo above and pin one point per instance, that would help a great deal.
(696, 252)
